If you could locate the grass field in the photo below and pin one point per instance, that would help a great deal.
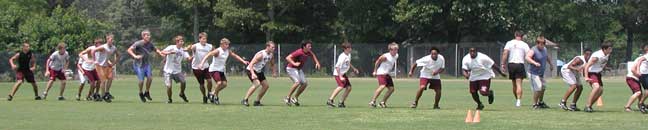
(127, 112)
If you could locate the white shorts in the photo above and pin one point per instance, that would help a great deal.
(570, 77)
(178, 78)
(82, 78)
(537, 82)
(296, 75)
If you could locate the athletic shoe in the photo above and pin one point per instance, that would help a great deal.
(257, 103)
(628, 109)
(78, 98)
(9, 97)
(543, 105)
(413, 105)
(141, 96)
(480, 107)
(106, 98)
(295, 101)
(204, 100)
(573, 107)
(330, 103)
(491, 97)
(170, 101)
(536, 106)
(61, 98)
(148, 96)
(44, 96)
(287, 101)
(89, 98)
(97, 97)
(184, 97)
(436, 107)
(382, 105)
(642, 109)
(216, 100)
(210, 97)
(372, 104)
(518, 103)
(341, 105)
(244, 102)
(110, 96)
(563, 105)
(589, 109)
(37, 98)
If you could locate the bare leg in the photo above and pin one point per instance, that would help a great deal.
(335, 92)
(419, 92)
(346, 94)
(264, 89)
(390, 90)
(62, 88)
(377, 92)
(252, 88)
(292, 89)
(15, 88)
(301, 90)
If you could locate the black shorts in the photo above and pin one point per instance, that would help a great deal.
(260, 76)
(516, 70)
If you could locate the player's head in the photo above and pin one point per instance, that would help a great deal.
(607, 47)
(202, 37)
(270, 46)
(519, 34)
(587, 53)
(179, 40)
(225, 43)
(98, 41)
(306, 45)
(346, 46)
(541, 42)
(473, 52)
(109, 38)
(25, 46)
(61, 48)
(434, 53)
(645, 48)
(146, 35)
(393, 48)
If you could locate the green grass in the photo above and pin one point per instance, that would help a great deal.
(127, 112)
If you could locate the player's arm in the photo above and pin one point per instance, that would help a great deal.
(529, 58)
(131, 52)
(290, 60)
(250, 66)
(377, 64)
(587, 66)
(272, 67)
(355, 70)
(86, 51)
(204, 59)
(11, 61)
(411, 70)
(317, 63)
(551, 65)
(33, 64)
(504, 58)
(576, 61)
(239, 58)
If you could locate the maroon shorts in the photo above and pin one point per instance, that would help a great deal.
(483, 86)
(218, 76)
(54, 74)
(385, 80)
(26, 75)
(201, 75)
(260, 76)
(431, 83)
(91, 75)
(343, 84)
(595, 78)
(633, 84)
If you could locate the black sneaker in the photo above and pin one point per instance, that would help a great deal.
(97, 97)
(216, 100)
(89, 98)
(295, 101)
(257, 103)
(382, 104)
(38, 98)
(61, 98)
(78, 97)
(491, 97)
(330, 103)
(210, 97)
(244, 102)
(141, 96)
(589, 109)
(573, 107)
(372, 104)
(414, 105)
(543, 105)
(148, 96)
(480, 107)
(204, 100)
(287, 101)
(184, 97)
(9, 97)
(106, 98)
(436, 107)
(642, 109)
(341, 105)
(563, 105)
(110, 96)
(169, 101)
(536, 106)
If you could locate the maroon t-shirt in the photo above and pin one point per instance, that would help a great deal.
(299, 56)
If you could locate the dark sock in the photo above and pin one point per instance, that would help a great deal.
(475, 97)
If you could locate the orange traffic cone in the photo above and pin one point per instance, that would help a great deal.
(469, 117)
(477, 116)
(599, 102)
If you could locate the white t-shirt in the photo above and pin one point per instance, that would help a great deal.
(199, 52)
(600, 63)
(85, 64)
(265, 58)
(517, 51)
(629, 74)
(565, 67)
(173, 62)
(343, 62)
(479, 68)
(387, 66)
(643, 68)
(218, 61)
(429, 66)
(58, 61)
(102, 57)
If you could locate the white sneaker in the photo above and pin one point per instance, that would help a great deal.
(518, 103)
